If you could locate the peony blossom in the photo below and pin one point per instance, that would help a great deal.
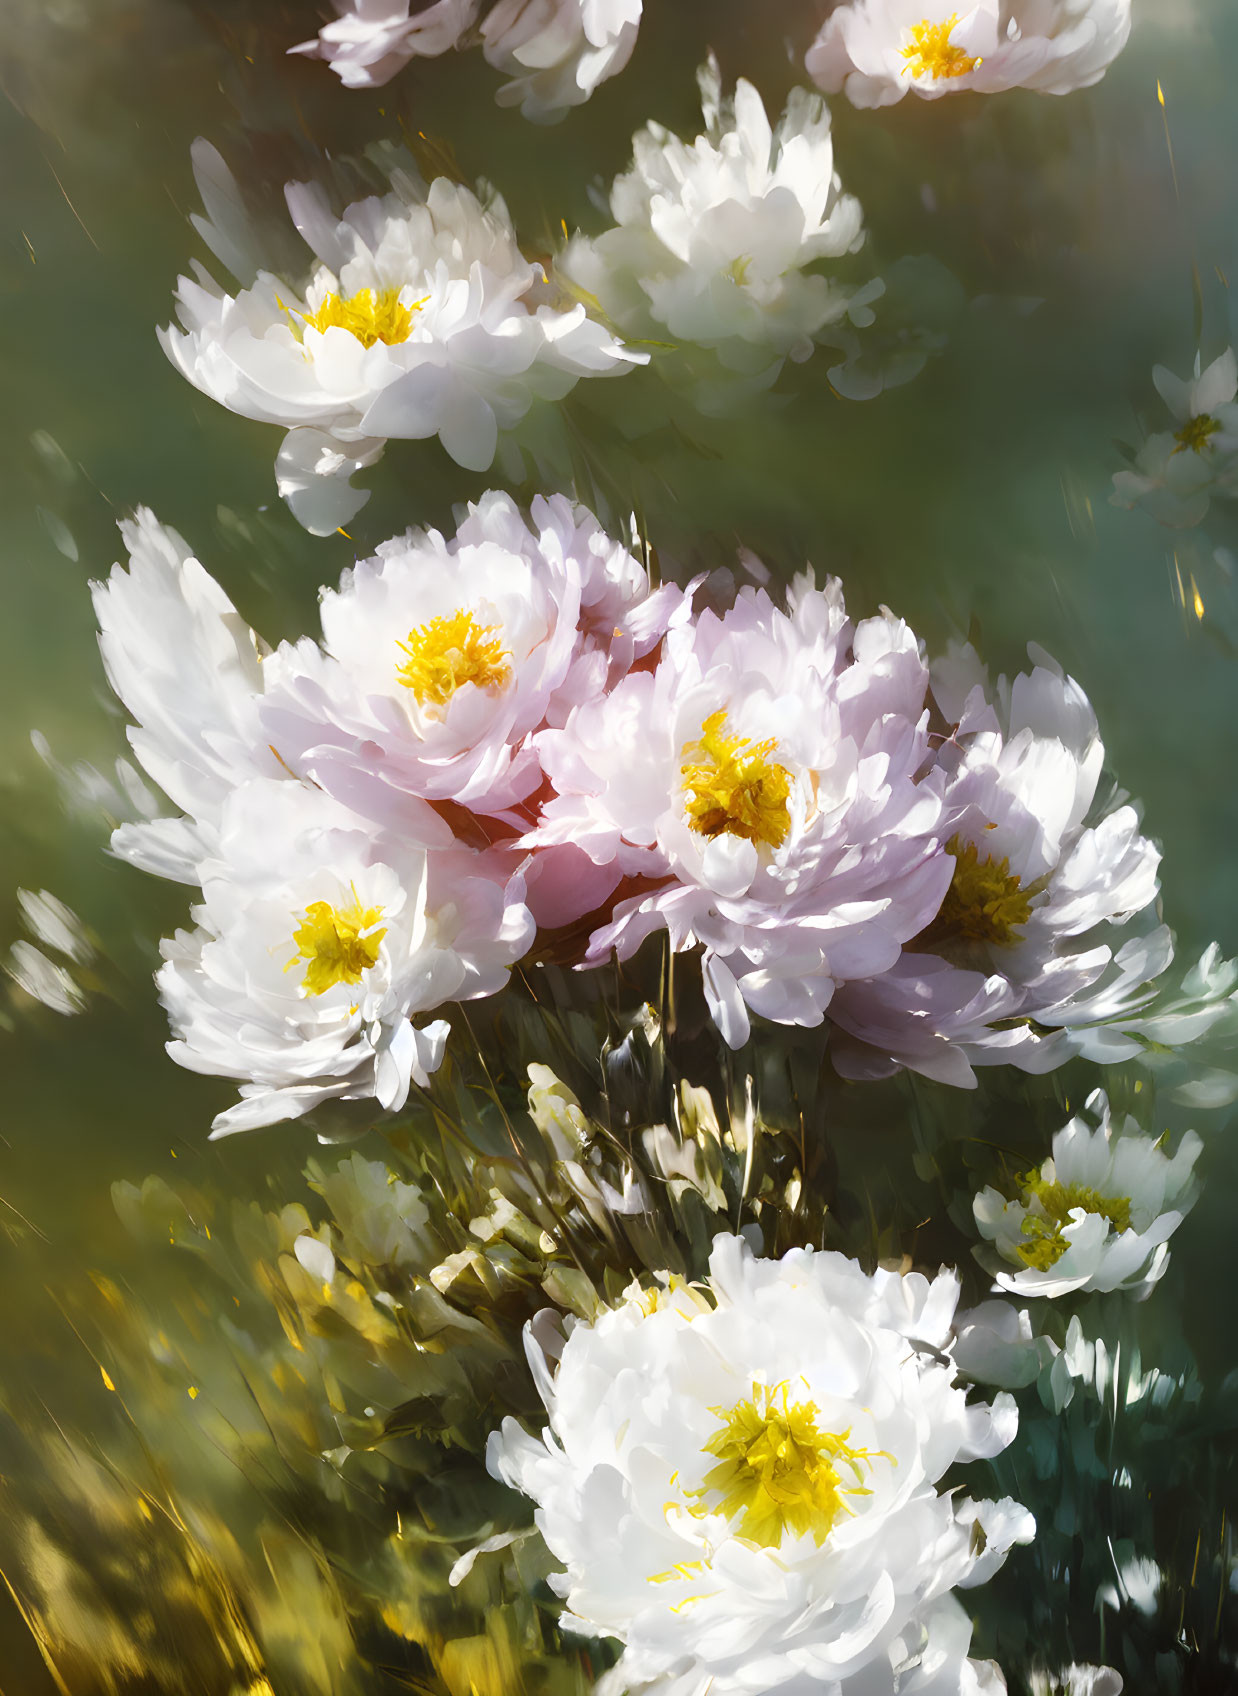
(875, 51)
(317, 942)
(373, 39)
(189, 671)
(420, 317)
(718, 242)
(773, 810)
(441, 658)
(1177, 472)
(554, 52)
(1098, 1213)
(1026, 946)
(740, 1480)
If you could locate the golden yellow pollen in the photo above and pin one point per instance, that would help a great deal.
(930, 53)
(1046, 1245)
(1196, 433)
(448, 652)
(338, 942)
(733, 787)
(778, 1471)
(985, 902)
(368, 316)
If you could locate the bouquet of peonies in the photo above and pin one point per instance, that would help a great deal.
(754, 1020)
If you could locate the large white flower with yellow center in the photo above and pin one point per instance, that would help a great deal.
(876, 51)
(1027, 938)
(741, 1480)
(716, 242)
(419, 318)
(318, 942)
(440, 658)
(764, 777)
(1097, 1215)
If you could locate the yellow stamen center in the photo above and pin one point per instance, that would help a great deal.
(985, 902)
(448, 652)
(338, 942)
(1196, 433)
(931, 54)
(369, 316)
(779, 1472)
(733, 787)
(1055, 1202)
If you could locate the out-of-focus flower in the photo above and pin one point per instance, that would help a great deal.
(555, 52)
(741, 1479)
(995, 1344)
(1078, 1680)
(318, 940)
(188, 669)
(1024, 947)
(1177, 472)
(420, 317)
(373, 39)
(1098, 1213)
(875, 51)
(774, 804)
(716, 242)
(440, 657)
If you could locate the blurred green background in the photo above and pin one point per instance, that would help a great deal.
(975, 496)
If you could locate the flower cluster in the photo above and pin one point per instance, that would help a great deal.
(876, 51)
(837, 829)
(553, 52)
(741, 1480)
(419, 318)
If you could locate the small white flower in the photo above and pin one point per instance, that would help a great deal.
(715, 242)
(373, 39)
(774, 804)
(1096, 1216)
(383, 1221)
(1024, 946)
(317, 942)
(420, 317)
(1177, 472)
(995, 1344)
(741, 1480)
(556, 52)
(878, 50)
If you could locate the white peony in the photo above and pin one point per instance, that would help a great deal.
(762, 780)
(420, 317)
(440, 658)
(1025, 947)
(875, 51)
(716, 242)
(1177, 472)
(317, 942)
(556, 52)
(189, 671)
(1098, 1213)
(373, 39)
(741, 1480)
